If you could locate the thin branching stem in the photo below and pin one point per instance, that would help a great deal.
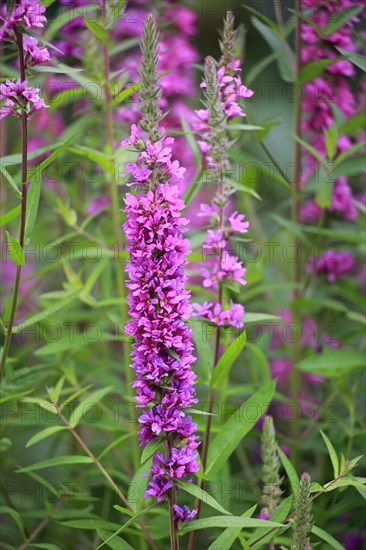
(104, 472)
(23, 212)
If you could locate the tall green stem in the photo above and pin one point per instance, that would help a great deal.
(117, 231)
(24, 134)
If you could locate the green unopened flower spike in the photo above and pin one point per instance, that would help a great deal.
(150, 92)
(271, 465)
(228, 40)
(217, 120)
(303, 518)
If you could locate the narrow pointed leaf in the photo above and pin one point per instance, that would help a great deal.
(43, 434)
(16, 252)
(46, 312)
(57, 461)
(227, 521)
(201, 495)
(85, 405)
(332, 454)
(10, 216)
(290, 471)
(227, 538)
(320, 533)
(150, 449)
(227, 359)
(232, 432)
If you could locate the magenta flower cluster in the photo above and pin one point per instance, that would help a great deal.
(231, 90)
(313, 338)
(223, 267)
(19, 96)
(16, 95)
(330, 91)
(159, 307)
(25, 14)
(334, 263)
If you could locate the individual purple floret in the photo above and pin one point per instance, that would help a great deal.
(184, 513)
(24, 14)
(332, 262)
(17, 95)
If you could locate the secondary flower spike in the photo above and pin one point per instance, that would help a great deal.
(158, 299)
(223, 88)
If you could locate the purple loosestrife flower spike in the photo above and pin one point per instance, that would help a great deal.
(158, 298)
(333, 88)
(303, 518)
(222, 89)
(271, 464)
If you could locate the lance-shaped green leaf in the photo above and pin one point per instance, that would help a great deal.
(116, 543)
(61, 304)
(259, 318)
(37, 170)
(241, 522)
(137, 487)
(331, 139)
(312, 70)
(150, 449)
(86, 403)
(238, 425)
(339, 18)
(124, 94)
(43, 40)
(43, 434)
(9, 216)
(32, 207)
(333, 363)
(261, 536)
(9, 178)
(227, 359)
(192, 143)
(290, 471)
(90, 524)
(324, 191)
(201, 495)
(57, 461)
(332, 454)
(321, 534)
(99, 32)
(66, 17)
(355, 58)
(284, 55)
(227, 538)
(16, 252)
(125, 525)
(15, 515)
(95, 156)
